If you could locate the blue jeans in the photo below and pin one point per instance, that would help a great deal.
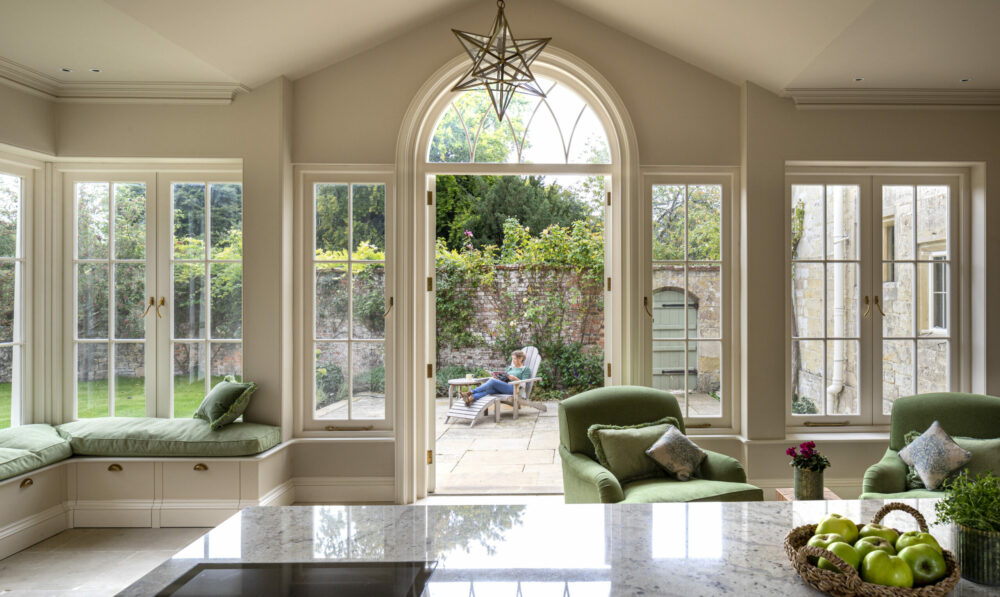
(492, 386)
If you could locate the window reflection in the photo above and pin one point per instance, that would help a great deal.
(687, 531)
(223, 542)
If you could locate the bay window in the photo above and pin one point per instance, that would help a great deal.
(12, 298)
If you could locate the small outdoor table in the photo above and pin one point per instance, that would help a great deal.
(462, 382)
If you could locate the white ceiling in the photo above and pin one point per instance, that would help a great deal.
(780, 44)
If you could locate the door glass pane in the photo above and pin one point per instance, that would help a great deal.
(227, 220)
(897, 372)
(10, 214)
(331, 306)
(189, 300)
(932, 218)
(130, 379)
(897, 301)
(842, 300)
(932, 299)
(130, 220)
(368, 301)
(189, 377)
(189, 220)
(368, 375)
(227, 300)
(331, 220)
(842, 222)
(842, 377)
(807, 300)
(8, 372)
(130, 300)
(92, 206)
(331, 380)
(227, 359)
(8, 300)
(808, 220)
(932, 365)
(92, 380)
(897, 210)
(808, 390)
(705, 382)
(668, 222)
(93, 282)
(369, 219)
(704, 214)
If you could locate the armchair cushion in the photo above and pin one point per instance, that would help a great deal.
(935, 456)
(677, 454)
(622, 448)
(985, 458)
(695, 490)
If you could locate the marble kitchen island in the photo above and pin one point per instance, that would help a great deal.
(541, 550)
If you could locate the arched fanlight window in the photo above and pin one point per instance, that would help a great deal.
(560, 128)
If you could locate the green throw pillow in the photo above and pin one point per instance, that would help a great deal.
(622, 449)
(226, 402)
(985, 458)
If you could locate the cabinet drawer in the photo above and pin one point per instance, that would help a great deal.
(31, 494)
(114, 480)
(208, 480)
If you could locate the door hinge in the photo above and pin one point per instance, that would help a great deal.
(430, 284)
(609, 369)
(609, 284)
(608, 198)
(430, 197)
(430, 456)
(430, 370)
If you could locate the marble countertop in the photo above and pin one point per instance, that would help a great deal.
(580, 550)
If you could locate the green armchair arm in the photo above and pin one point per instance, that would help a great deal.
(886, 476)
(719, 467)
(585, 481)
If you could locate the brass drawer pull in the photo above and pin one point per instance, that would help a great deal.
(201, 467)
(115, 468)
(27, 483)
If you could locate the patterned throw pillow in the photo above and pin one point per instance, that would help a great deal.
(677, 454)
(985, 458)
(621, 449)
(934, 455)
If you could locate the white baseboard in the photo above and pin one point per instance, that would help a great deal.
(344, 490)
(282, 495)
(26, 532)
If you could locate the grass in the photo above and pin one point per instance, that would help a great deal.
(130, 400)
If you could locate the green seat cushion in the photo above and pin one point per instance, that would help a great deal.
(14, 462)
(225, 402)
(125, 436)
(41, 440)
(650, 491)
(903, 495)
(622, 448)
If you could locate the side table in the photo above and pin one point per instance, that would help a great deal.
(787, 494)
(462, 382)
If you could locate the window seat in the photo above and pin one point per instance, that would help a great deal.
(30, 447)
(149, 437)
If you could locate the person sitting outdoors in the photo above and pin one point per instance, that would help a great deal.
(498, 384)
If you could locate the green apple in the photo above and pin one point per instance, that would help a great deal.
(916, 538)
(877, 530)
(845, 552)
(927, 563)
(825, 540)
(866, 545)
(835, 523)
(880, 568)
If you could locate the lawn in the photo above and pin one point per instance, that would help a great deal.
(130, 401)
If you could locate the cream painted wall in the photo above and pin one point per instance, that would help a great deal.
(256, 128)
(351, 112)
(27, 121)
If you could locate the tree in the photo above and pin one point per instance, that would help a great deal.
(702, 217)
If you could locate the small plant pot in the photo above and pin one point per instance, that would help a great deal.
(808, 484)
(978, 554)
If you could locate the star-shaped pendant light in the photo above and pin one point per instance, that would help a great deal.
(500, 63)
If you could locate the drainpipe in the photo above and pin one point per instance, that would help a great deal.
(839, 238)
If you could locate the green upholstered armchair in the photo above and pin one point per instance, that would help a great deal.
(961, 415)
(721, 478)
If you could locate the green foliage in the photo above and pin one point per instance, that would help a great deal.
(798, 226)
(455, 372)
(701, 215)
(972, 503)
(803, 406)
(332, 204)
(331, 385)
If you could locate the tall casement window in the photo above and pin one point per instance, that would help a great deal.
(12, 264)
(873, 294)
(346, 306)
(157, 290)
(689, 306)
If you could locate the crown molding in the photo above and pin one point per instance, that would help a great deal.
(42, 85)
(893, 98)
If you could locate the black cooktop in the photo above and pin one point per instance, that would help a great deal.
(343, 579)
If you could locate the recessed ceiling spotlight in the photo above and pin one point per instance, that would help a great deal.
(858, 79)
(95, 70)
(965, 79)
(66, 70)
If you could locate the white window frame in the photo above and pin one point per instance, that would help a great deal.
(872, 178)
(727, 178)
(306, 424)
(23, 397)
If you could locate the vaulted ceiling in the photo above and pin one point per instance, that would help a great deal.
(779, 44)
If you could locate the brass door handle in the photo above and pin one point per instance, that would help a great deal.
(115, 468)
(27, 483)
(162, 302)
(201, 467)
(148, 307)
(387, 311)
(868, 307)
(879, 306)
(645, 303)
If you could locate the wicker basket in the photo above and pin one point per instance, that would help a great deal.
(850, 583)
